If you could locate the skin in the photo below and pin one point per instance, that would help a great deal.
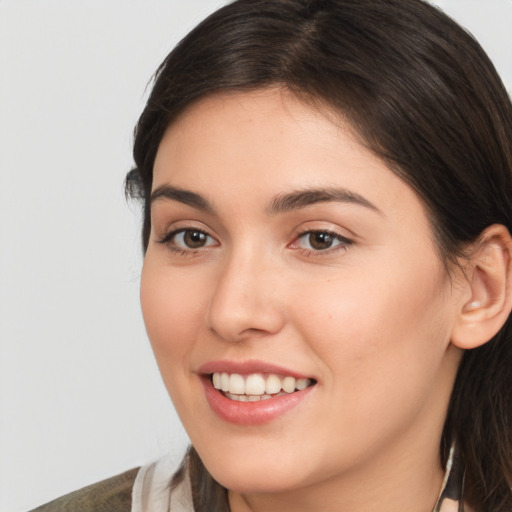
(369, 319)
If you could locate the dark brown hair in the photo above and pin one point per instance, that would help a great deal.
(423, 96)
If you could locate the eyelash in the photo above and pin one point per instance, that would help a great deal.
(343, 242)
(167, 239)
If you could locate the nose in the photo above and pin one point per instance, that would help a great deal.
(246, 302)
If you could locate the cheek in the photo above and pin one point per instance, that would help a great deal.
(381, 335)
(171, 307)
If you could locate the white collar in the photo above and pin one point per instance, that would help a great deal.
(152, 489)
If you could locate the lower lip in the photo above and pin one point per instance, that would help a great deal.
(251, 413)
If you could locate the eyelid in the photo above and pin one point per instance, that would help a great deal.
(169, 235)
(343, 242)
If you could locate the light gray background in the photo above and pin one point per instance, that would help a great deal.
(80, 395)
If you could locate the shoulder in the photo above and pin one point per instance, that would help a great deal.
(110, 495)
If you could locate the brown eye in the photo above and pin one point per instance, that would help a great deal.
(319, 241)
(188, 239)
(194, 239)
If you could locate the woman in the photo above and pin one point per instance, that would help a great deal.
(326, 285)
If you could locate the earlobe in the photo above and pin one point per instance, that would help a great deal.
(488, 281)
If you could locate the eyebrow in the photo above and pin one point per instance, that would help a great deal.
(182, 196)
(282, 203)
(303, 198)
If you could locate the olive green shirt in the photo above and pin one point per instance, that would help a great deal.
(111, 495)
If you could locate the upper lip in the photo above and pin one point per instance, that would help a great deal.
(247, 368)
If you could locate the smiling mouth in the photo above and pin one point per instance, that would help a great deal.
(257, 386)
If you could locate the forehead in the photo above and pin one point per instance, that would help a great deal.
(269, 111)
(255, 145)
(264, 129)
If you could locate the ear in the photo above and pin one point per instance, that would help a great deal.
(486, 301)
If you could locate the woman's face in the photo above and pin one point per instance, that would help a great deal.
(284, 254)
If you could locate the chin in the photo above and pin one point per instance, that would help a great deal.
(258, 471)
(249, 480)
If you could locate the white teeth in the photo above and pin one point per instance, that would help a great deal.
(255, 386)
(289, 384)
(224, 382)
(272, 385)
(236, 384)
(249, 398)
(301, 384)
